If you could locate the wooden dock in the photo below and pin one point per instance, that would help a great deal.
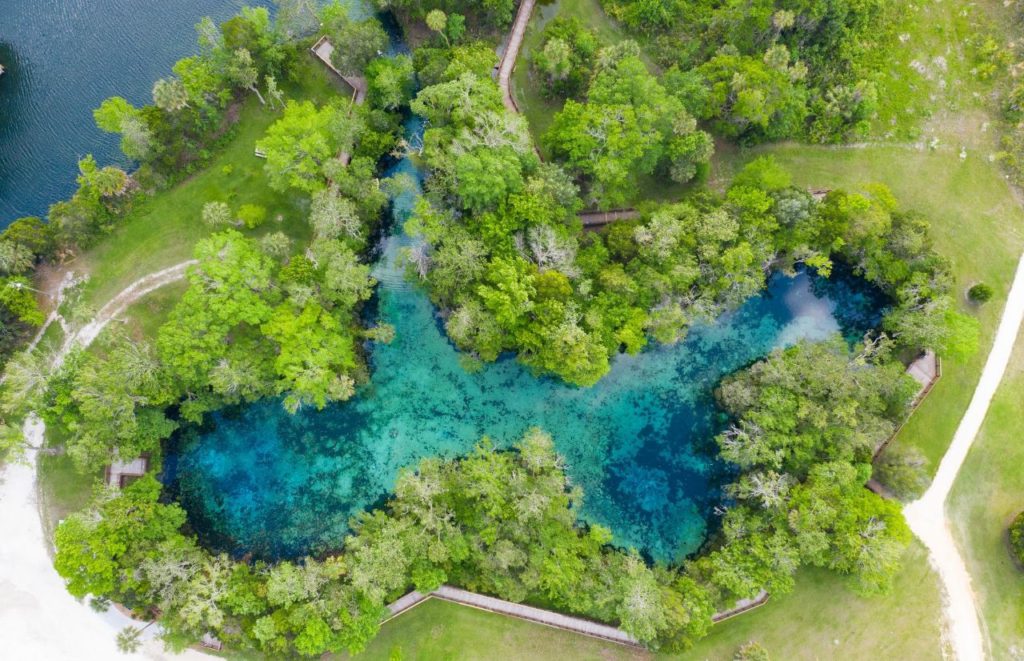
(323, 49)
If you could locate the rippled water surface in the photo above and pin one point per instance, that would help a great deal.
(63, 57)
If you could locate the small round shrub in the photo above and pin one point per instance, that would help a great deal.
(252, 215)
(752, 651)
(1017, 538)
(980, 293)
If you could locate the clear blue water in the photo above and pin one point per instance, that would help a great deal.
(63, 57)
(638, 443)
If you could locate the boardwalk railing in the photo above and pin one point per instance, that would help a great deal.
(547, 618)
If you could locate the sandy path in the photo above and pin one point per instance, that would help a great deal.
(927, 516)
(38, 618)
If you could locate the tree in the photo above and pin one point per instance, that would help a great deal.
(243, 72)
(356, 43)
(129, 640)
(274, 94)
(751, 651)
(315, 352)
(170, 94)
(297, 18)
(437, 21)
(252, 215)
(980, 293)
(299, 144)
(903, 469)
(390, 82)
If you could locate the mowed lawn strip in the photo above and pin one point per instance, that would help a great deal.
(162, 230)
(439, 629)
(988, 493)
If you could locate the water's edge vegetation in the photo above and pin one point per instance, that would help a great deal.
(494, 242)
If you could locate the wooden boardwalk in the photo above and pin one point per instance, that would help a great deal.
(547, 618)
(323, 49)
(596, 219)
(511, 54)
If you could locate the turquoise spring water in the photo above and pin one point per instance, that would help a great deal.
(639, 443)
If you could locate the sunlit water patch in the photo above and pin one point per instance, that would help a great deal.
(639, 443)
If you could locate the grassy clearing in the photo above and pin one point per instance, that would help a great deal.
(62, 489)
(976, 223)
(987, 494)
(820, 620)
(932, 75)
(442, 630)
(163, 229)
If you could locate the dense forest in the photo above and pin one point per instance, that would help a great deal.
(503, 254)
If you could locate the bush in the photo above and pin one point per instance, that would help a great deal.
(1017, 538)
(252, 215)
(752, 651)
(980, 293)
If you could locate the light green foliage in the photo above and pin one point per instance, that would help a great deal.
(170, 94)
(17, 296)
(252, 215)
(112, 403)
(390, 82)
(629, 126)
(299, 144)
(94, 548)
(314, 353)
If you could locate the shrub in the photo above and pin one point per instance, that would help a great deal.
(980, 293)
(751, 651)
(252, 215)
(1017, 538)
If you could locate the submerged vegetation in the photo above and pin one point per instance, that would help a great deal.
(503, 253)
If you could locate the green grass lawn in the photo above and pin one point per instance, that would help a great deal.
(62, 489)
(820, 620)
(988, 493)
(438, 629)
(163, 229)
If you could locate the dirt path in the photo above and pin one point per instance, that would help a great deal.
(85, 335)
(38, 618)
(511, 54)
(927, 516)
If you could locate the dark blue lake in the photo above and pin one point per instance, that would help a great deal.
(63, 57)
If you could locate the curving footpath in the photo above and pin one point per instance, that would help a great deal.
(38, 618)
(927, 515)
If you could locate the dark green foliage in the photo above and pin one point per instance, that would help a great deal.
(813, 59)
(903, 470)
(565, 59)
(1016, 534)
(628, 126)
(481, 13)
(980, 293)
